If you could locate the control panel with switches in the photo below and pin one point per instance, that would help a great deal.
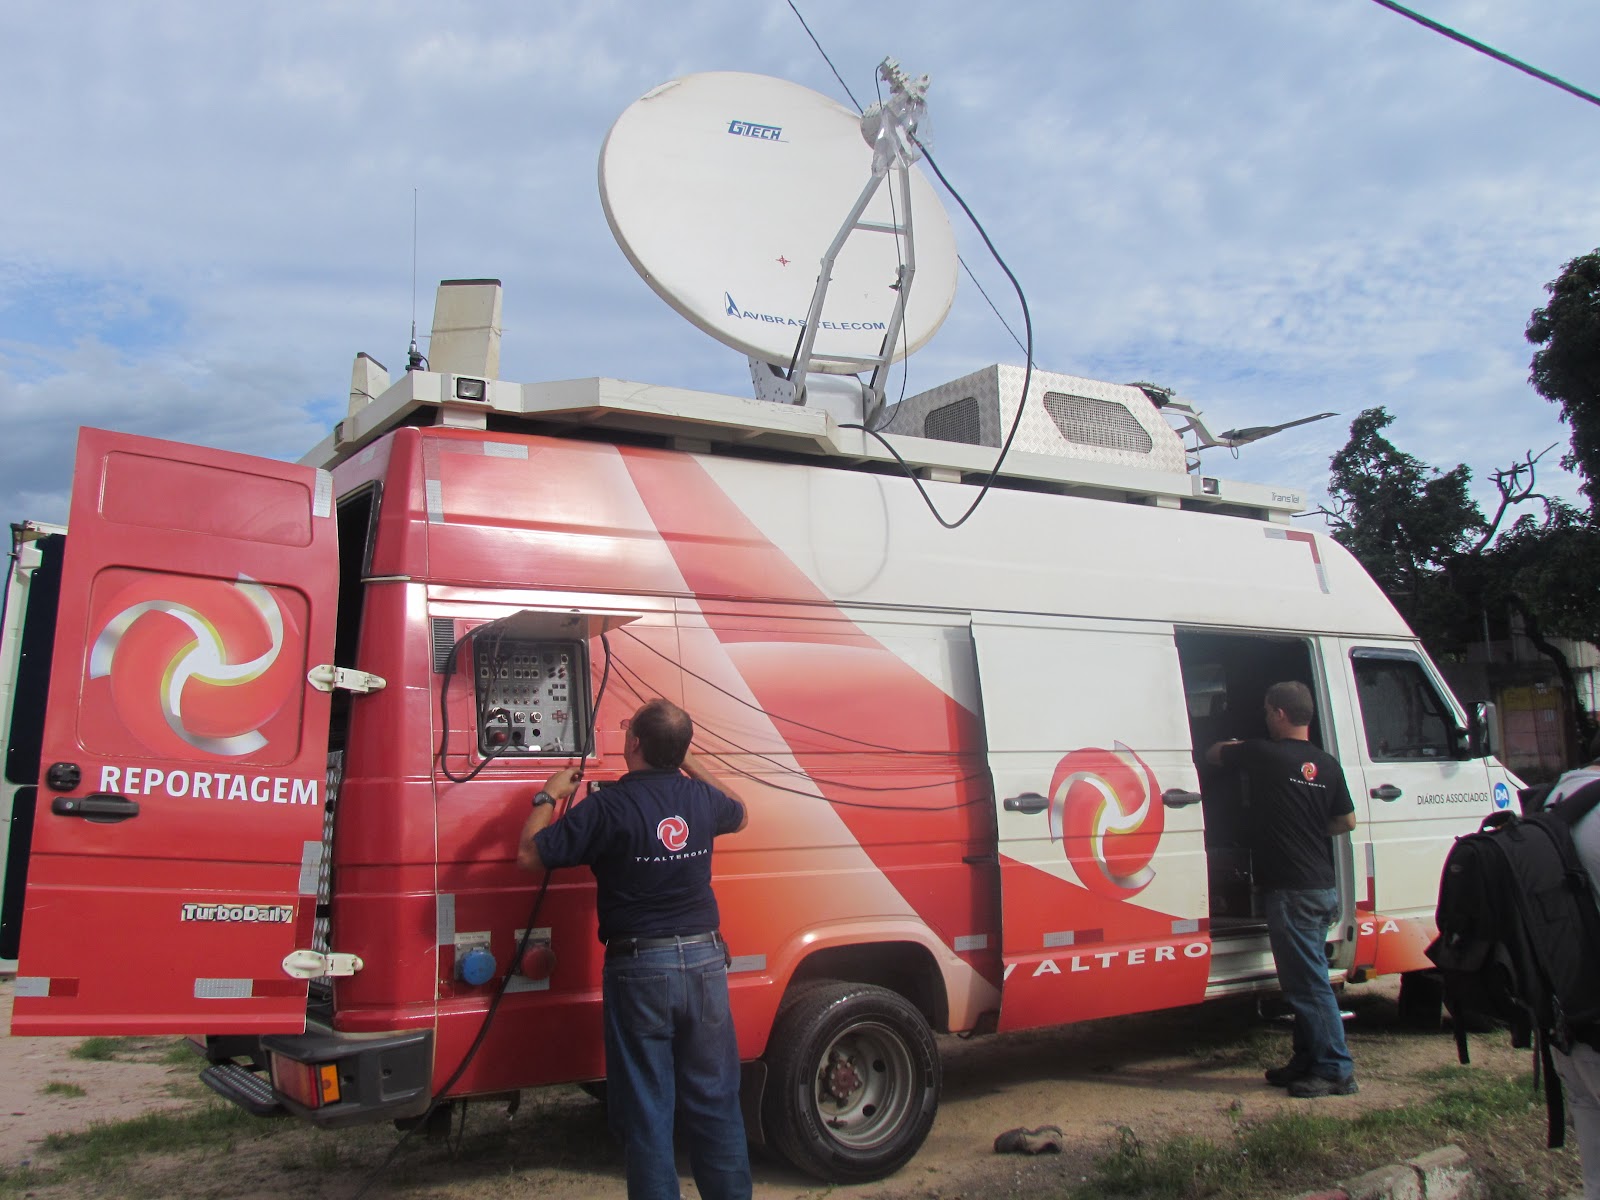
(532, 695)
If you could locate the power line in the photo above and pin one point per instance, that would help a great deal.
(824, 54)
(1481, 48)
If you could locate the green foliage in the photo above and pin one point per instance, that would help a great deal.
(59, 1087)
(1566, 370)
(97, 1049)
(213, 1125)
(1296, 1148)
(1556, 565)
(1408, 524)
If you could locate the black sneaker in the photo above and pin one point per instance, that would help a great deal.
(1314, 1087)
(1285, 1075)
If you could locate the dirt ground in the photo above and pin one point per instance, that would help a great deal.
(1194, 1070)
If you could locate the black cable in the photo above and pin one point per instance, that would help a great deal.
(1480, 47)
(1027, 318)
(634, 685)
(927, 808)
(444, 713)
(516, 956)
(825, 57)
(772, 716)
(1027, 375)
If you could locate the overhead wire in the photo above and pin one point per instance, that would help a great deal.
(824, 54)
(1482, 48)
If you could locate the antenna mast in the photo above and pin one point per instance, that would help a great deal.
(890, 129)
(415, 359)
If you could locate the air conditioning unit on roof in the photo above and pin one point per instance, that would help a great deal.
(1063, 416)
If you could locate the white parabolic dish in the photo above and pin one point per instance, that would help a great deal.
(725, 190)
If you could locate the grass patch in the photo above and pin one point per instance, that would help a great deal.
(180, 1054)
(212, 1125)
(1279, 1152)
(19, 1181)
(59, 1087)
(97, 1049)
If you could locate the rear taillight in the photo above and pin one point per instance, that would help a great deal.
(310, 1085)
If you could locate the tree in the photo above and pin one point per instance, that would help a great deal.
(1406, 522)
(1421, 536)
(1566, 370)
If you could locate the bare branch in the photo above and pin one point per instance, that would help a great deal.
(1516, 485)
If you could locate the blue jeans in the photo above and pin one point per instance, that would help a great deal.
(1297, 927)
(671, 1050)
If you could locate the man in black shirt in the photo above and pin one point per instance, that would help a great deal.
(670, 1041)
(1298, 802)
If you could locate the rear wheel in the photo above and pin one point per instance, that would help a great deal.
(854, 1082)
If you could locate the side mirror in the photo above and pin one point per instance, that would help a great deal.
(1483, 731)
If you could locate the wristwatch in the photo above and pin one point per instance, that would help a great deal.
(543, 798)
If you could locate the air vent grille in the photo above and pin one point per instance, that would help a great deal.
(444, 637)
(1103, 423)
(955, 422)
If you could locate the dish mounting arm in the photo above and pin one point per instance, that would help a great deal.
(889, 128)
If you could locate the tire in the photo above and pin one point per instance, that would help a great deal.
(854, 1082)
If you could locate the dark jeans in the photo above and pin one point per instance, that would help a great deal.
(671, 1049)
(1297, 926)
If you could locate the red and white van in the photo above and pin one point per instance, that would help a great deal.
(295, 714)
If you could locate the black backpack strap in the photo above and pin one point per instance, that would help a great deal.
(1554, 1106)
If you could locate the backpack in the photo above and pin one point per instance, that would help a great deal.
(1519, 936)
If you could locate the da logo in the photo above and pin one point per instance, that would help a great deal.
(1502, 796)
(673, 832)
(196, 663)
(1105, 808)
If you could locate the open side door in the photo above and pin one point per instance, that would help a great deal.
(178, 832)
(1102, 857)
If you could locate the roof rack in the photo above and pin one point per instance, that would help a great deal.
(709, 422)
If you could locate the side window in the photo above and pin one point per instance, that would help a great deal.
(1405, 718)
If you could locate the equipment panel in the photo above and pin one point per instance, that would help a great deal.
(532, 696)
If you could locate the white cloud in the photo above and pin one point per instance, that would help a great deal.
(1277, 209)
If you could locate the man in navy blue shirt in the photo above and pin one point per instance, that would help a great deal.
(670, 1042)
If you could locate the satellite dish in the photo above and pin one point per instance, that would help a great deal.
(726, 190)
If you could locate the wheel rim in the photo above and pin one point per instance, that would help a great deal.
(864, 1083)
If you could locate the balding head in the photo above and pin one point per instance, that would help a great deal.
(663, 731)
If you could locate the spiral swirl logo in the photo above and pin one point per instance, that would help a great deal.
(199, 665)
(1105, 809)
(673, 832)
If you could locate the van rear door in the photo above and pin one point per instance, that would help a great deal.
(1102, 858)
(178, 832)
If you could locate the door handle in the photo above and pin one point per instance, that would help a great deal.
(1386, 791)
(101, 808)
(1028, 802)
(1178, 798)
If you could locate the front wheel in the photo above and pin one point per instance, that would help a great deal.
(854, 1082)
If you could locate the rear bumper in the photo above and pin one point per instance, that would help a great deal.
(382, 1077)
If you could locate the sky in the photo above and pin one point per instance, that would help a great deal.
(1274, 208)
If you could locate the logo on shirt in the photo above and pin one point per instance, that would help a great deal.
(673, 832)
(1308, 771)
